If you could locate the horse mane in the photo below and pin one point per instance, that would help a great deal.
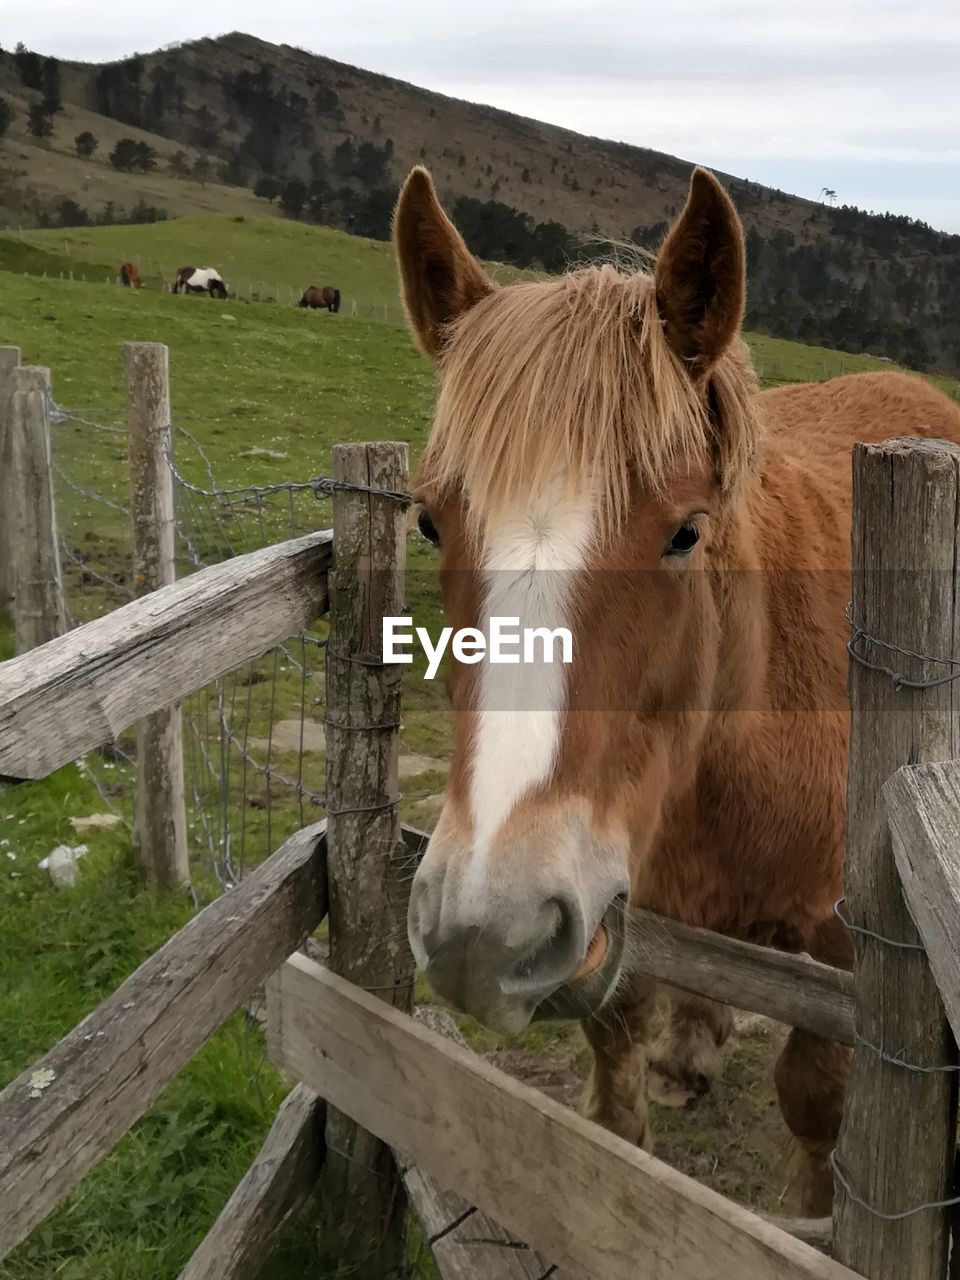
(575, 376)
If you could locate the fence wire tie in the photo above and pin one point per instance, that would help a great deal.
(366, 808)
(877, 1213)
(869, 933)
(326, 487)
(897, 1060)
(359, 728)
(898, 679)
(357, 659)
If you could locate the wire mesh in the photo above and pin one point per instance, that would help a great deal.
(253, 740)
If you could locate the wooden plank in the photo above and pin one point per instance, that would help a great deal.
(9, 360)
(83, 689)
(597, 1205)
(791, 988)
(160, 807)
(283, 1176)
(362, 1203)
(465, 1242)
(109, 1070)
(37, 585)
(895, 1151)
(923, 806)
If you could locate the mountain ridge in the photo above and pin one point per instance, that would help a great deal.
(521, 189)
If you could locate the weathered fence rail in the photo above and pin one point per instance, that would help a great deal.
(585, 1198)
(108, 1071)
(84, 688)
(277, 1184)
(789, 988)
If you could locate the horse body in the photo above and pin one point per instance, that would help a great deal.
(200, 280)
(130, 275)
(601, 457)
(318, 299)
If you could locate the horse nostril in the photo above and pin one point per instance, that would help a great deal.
(551, 961)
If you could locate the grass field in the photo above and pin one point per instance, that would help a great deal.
(246, 377)
(268, 255)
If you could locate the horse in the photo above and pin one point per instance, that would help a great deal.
(130, 275)
(317, 298)
(601, 458)
(200, 280)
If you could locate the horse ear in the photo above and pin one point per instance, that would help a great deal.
(700, 275)
(440, 276)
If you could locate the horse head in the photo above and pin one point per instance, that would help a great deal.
(589, 444)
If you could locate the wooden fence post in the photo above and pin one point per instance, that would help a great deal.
(160, 827)
(9, 360)
(38, 609)
(896, 1146)
(363, 1202)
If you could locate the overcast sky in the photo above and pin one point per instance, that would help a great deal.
(862, 97)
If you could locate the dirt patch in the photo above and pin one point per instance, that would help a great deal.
(733, 1139)
(286, 736)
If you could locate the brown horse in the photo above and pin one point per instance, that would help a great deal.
(130, 275)
(601, 459)
(317, 298)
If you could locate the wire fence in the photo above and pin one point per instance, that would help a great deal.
(253, 740)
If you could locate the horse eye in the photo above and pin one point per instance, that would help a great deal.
(427, 527)
(684, 540)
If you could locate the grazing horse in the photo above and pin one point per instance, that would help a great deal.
(601, 459)
(130, 275)
(200, 280)
(319, 298)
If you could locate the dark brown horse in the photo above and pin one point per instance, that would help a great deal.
(317, 298)
(130, 275)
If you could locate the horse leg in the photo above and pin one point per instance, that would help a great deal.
(688, 1049)
(615, 1094)
(811, 1077)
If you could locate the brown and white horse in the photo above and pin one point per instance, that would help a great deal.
(319, 299)
(200, 280)
(601, 459)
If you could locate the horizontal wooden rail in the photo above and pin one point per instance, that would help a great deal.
(282, 1177)
(923, 806)
(790, 988)
(68, 1110)
(587, 1199)
(83, 689)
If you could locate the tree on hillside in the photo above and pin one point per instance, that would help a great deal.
(39, 121)
(71, 214)
(318, 194)
(146, 157)
(85, 144)
(179, 164)
(51, 86)
(124, 155)
(267, 187)
(29, 67)
(293, 197)
(7, 116)
(201, 171)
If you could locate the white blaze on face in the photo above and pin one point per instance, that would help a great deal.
(529, 565)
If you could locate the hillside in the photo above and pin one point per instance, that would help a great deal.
(522, 190)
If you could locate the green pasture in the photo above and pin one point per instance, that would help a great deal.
(265, 390)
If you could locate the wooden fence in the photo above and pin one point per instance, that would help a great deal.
(389, 1111)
